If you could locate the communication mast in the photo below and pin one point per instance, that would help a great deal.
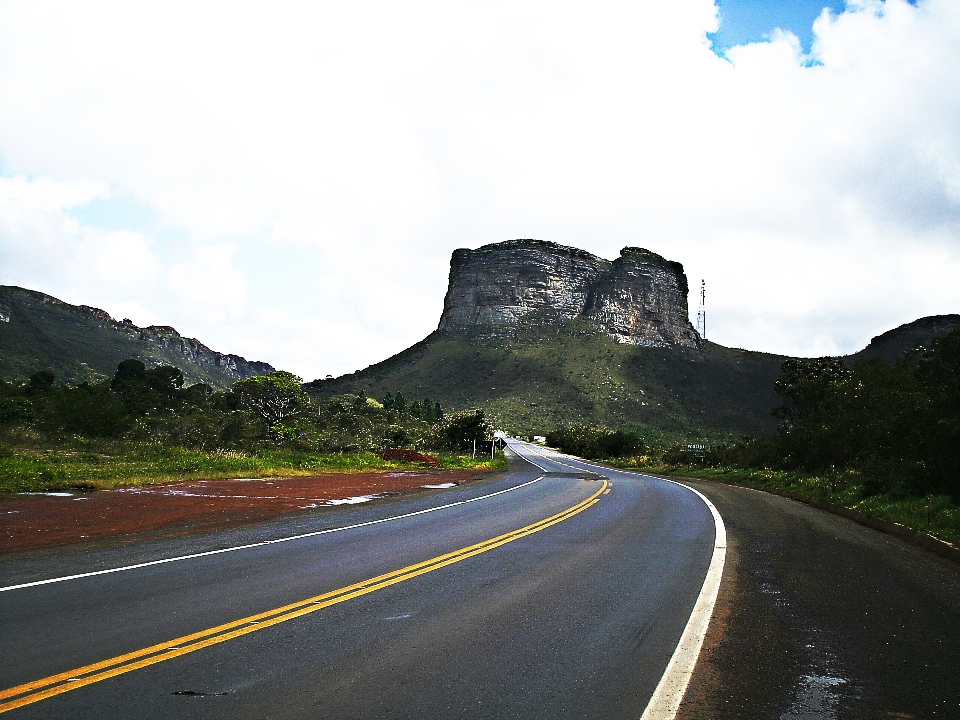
(702, 312)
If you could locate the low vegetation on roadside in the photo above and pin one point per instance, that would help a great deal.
(144, 426)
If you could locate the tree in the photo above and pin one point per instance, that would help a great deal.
(198, 395)
(131, 375)
(805, 384)
(598, 443)
(462, 429)
(15, 409)
(166, 380)
(275, 397)
(91, 410)
(41, 382)
(938, 370)
(144, 390)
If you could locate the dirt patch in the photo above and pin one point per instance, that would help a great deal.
(39, 521)
(407, 455)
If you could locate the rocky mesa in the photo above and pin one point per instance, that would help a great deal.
(638, 299)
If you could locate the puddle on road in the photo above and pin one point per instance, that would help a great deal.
(352, 500)
(196, 693)
(817, 698)
(823, 687)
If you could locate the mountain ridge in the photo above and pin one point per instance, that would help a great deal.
(891, 345)
(81, 342)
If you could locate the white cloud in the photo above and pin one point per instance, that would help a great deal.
(42, 246)
(312, 166)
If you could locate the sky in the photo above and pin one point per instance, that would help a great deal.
(287, 181)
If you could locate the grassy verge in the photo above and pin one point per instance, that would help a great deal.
(35, 470)
(936, 515)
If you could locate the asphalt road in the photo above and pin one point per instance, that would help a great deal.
(819, 617)
(552, 598)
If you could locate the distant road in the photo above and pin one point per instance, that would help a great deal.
(544, 592)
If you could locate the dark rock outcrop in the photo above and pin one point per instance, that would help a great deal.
(891, 345)
(639, 299)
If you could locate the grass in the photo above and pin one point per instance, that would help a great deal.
(936, 515)
(129, 464)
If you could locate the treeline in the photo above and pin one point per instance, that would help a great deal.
(596, 443)
(895, 427)
(154, 405)
(425, 409)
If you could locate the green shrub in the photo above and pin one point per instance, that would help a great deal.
(596, 443)
(91, 410)
(15, 409)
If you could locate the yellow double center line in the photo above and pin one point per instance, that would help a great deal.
(37, 690)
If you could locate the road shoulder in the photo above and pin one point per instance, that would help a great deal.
(820, 617)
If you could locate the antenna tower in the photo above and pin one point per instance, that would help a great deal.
(702, 312)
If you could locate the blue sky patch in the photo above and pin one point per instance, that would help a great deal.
(113, 214)
(747, 21)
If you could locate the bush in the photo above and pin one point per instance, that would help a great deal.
(458, 431)
(596, 443)
(91, 410)
(15, 409)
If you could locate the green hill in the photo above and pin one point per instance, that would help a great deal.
(78, 342)
(532, 385)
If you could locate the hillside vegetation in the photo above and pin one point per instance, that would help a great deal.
(77, 343)
(877, 437)
(532, 384)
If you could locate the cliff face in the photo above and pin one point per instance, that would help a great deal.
(232, 366)
(638, 299)
(506, 283)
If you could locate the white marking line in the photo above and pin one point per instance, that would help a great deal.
(524, 457)
(263, 543)
(666, 699)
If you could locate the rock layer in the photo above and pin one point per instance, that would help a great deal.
(518, 281)
(640, 298)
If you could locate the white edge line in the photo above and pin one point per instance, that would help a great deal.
(524, 457)
(665, 701)
(263, 543)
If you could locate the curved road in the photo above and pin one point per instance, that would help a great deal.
(546, 591)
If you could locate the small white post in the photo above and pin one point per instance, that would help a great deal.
(474, 449)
